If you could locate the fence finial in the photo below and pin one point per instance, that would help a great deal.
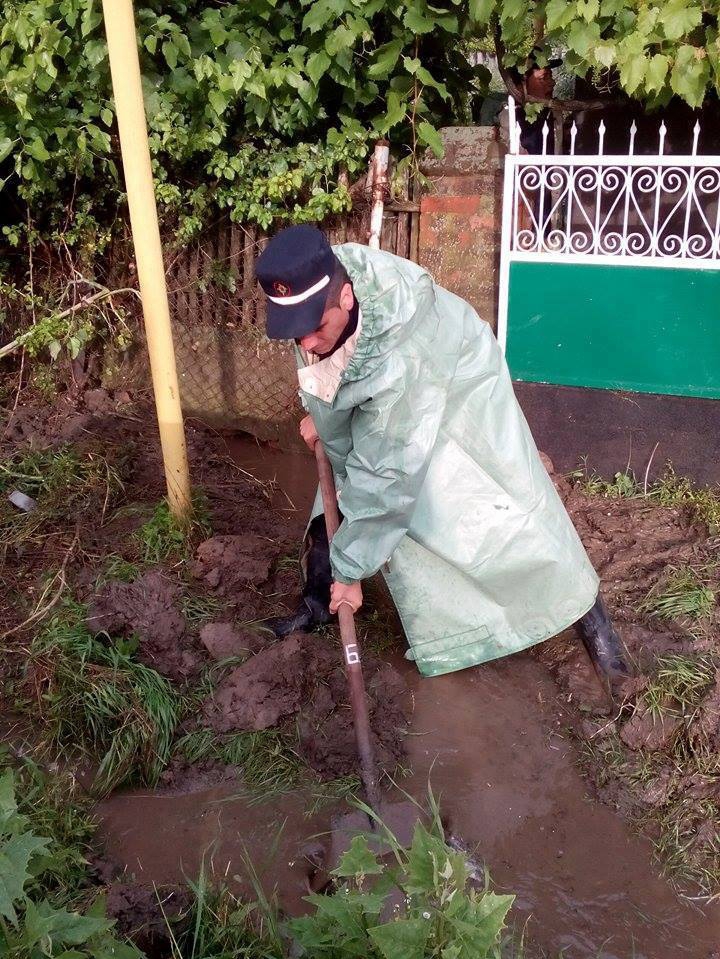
(573, 134)
(601, 137)
(661, 144)
(545, 132)
(633, 131)
(512, 125)
(696, 137)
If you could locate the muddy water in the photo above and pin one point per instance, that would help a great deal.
(491, 743)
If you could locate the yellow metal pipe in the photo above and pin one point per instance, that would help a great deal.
(130, 110)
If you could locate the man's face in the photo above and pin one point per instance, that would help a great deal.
(333, 322)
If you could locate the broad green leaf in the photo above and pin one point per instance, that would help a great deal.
(604, 54)
(425, 848)
(151, 43)
(396, 111)
(44, 923)
(679, 18)
(588, 9)
(36, 149)
(402, 939)
(484, 921)
(15, 855)
(513, 10)
(358, 860)
(424, 76)
(340, 39)
(632, 72)
(106, 115)
(386, 57)
(656, 72)
(317, 66)
(583, 37)
(417, 22)
(170, 52)
(481, 10)
(559, 14)
(95, 52)
(690, 74)
(428, 136)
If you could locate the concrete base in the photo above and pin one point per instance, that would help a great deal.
(612, 429)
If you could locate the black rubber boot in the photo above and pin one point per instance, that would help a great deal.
(603, 645)
(313, 610)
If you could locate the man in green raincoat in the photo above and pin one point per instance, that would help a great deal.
(440, 484)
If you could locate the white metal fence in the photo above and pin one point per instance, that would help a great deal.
(653, 210)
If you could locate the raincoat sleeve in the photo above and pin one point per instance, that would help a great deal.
(393, 435)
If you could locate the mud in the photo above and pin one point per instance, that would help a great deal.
(494, 742)
(302, 676)
(148, 913)
(225, 641)
(148, 608)
(227, 565)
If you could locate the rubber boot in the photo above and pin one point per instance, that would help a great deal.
(603, 646)
(313, 610)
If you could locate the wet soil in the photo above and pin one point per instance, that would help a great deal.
(493, 741)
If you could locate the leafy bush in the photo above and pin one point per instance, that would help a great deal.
(420, 905)
(254, 107)
(32, 927)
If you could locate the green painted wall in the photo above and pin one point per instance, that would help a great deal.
(646, 329)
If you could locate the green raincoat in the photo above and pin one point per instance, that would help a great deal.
(439, 479)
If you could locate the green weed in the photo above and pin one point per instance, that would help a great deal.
(116, 567)
(702, 502)
(163, 535)
(54, 806)
(623, 484)
(268, 759)
(684, 592)
(682, 681)
(94, 696)
(32, 925)
(221, 926)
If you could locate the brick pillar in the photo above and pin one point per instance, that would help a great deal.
(460, 216)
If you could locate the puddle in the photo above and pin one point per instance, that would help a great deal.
(491, 743)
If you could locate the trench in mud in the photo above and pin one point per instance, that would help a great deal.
(492, 743)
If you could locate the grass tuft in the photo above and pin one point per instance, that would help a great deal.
(62, 481)
(94, 696)
(702, 502)
(163, 535)
(268, 759)
(683, 593)
(680, 680)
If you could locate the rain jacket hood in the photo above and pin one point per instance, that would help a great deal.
(440, 482)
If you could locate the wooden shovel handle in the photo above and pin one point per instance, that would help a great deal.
(351, 647)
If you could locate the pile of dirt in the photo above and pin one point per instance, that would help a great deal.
(302, 679)
(229, 564)
(149, 609)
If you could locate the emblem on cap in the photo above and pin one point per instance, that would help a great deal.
(282, 289)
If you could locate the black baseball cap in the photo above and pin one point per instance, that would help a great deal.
(294, 271)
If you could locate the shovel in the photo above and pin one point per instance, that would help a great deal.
(398, 818)
(351, 648)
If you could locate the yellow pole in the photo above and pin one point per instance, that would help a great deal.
(130, 109)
